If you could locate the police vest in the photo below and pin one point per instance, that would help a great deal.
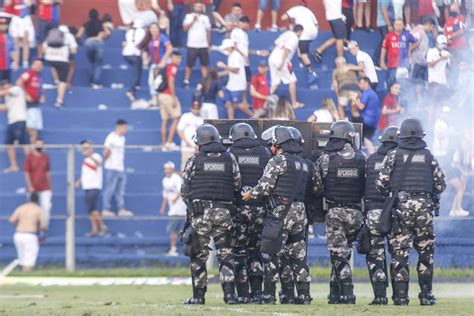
(213, 178)
(251, 162)
(345, 179)
(294, 179)
(374, 162)
(419, 176)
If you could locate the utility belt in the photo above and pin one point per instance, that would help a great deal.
(404, 196)
(353, 205)
(198, 206)
(274, 201)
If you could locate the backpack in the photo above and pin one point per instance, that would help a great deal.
(55, 38)
(160, 83)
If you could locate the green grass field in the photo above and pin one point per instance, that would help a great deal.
(453, 299)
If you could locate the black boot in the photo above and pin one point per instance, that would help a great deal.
(268, 296)
(243, 293)
(380, 292)
(334, 293)
(256, 289)
(229, 293)
(347, 294)
(426, 297)
(287, 293)
(304, 296)
(400, 293)
(198, 297)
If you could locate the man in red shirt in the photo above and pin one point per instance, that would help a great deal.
(38, 177)
(390, 108)
(454, 28)
(31, 83)
(170, 106)
(259, 89)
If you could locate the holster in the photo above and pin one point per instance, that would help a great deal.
(363, 241)
(192, 246)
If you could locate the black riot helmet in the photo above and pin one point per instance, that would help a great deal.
(206, 134)
(241, 131)
(277, 135)
(342, 130)
(411, 127)
(297, 135)
(390, 134)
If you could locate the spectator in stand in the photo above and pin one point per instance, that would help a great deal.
(391, 110)
(91, 183)
(107, 21)
(29, 221)
(198, 27)
(171, 184)
(438, 59)
(419, 71)
(237, 83)
(209, 90)
(348, 12)
(363, 10)
(6, 51)
(281, 69)
(96, 33)
(365, 65)
(38, 177)
(283, 110)
(429, 9)
(344, 83)
(300, 14)
(135, 41)
(447, 8)
(115, 175)
(262, 6)
(385, 18)
(15, 106)
(159, 51)
(326, 114)
(454, 30)
(178, 12)
(396, 46)
(48, 19)
(21, 29)
(187, 126)
(127, 10)
(31, 82)
(338, 28)
(59, 46)
(170, 107)
(147, 11)
(259, 90)
(366, 110)
(232, 19)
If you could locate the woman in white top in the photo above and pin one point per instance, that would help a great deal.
(326, 114)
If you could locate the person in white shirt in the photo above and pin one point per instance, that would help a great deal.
(187, 126)
(365, 65)
(237, 83)
(300, 14)
(115, 176)
(198, 26)
(281, 69)
(15, 106)
(91, 183)
(132, 53)
(58, 56)
(171, 184)
(326, 114)
(338, 28)
(438, 59)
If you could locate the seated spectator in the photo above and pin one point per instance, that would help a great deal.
(237, 83)
(6, 51)
(171, 184)
(135, 40)
(283, 111)
(438, 59)
(59, 47)
(21, 29)
(91, 183)
(170, 107)
(232, 19)
(365, 65)
(187, 126)
(15, 106)
(259, 90)
(209, 90)
(159, 51)
(178, 12)
(344, 83)
(48, 12)
(29, 221)
(262, 7)
(95, 33)
(326, 114)
(198, 27)
(390, 108)
(335, 17)
(30, 81)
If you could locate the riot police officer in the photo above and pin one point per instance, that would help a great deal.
(252, 157)
(374, 201)
(211, 182)
(340, 175)
(412, 218)
(284, 182)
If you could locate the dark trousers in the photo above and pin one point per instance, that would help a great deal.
(95, 53)
(136, 63)
(177, 34)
